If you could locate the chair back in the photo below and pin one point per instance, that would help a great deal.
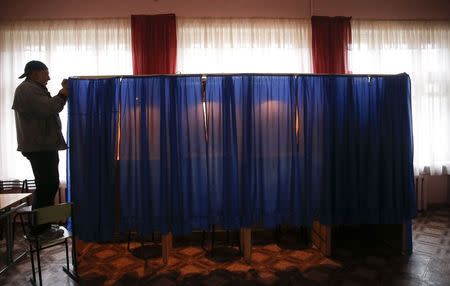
(52, 213)
(29, 186)
(11, 186)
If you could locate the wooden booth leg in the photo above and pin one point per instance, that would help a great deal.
(246, 243)
(166, 240)
(321, 237)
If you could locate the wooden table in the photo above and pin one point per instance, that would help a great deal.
(6, 210)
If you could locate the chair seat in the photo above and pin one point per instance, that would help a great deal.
(47, 243)
(22, 208)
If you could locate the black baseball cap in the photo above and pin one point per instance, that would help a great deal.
(33, 66)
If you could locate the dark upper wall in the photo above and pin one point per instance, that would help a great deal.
(363, 9)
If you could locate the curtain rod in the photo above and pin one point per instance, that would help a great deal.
(231, 74)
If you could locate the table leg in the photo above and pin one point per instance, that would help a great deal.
(9, 240)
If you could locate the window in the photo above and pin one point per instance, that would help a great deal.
(68, 48)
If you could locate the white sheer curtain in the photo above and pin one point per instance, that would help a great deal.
(421, 49)
(207, 45)
(68, 48)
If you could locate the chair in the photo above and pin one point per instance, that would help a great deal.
(47, 215)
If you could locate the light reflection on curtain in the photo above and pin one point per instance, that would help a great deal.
(266, 108)
(188, 172)
(143, 161)
(162, 155)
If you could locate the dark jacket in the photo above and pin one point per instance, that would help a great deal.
(37, 121)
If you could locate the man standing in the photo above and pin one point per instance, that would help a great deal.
(39, 135)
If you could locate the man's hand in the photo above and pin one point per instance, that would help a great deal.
(65, 83)
(65, 88)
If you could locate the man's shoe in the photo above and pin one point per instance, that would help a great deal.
(51, 234)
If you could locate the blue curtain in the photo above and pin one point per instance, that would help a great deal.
(244, 150)
(189, 194)
(224, 193)
(265, 108)
(92, 140)
(143, 154)
(358, 148)
(162, 155)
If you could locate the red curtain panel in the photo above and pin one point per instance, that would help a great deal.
(331, 38)
(154, 44)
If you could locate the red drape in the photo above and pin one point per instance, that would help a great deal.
(331, 37)
(154, 43)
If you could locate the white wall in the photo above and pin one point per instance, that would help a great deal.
(366, 9)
